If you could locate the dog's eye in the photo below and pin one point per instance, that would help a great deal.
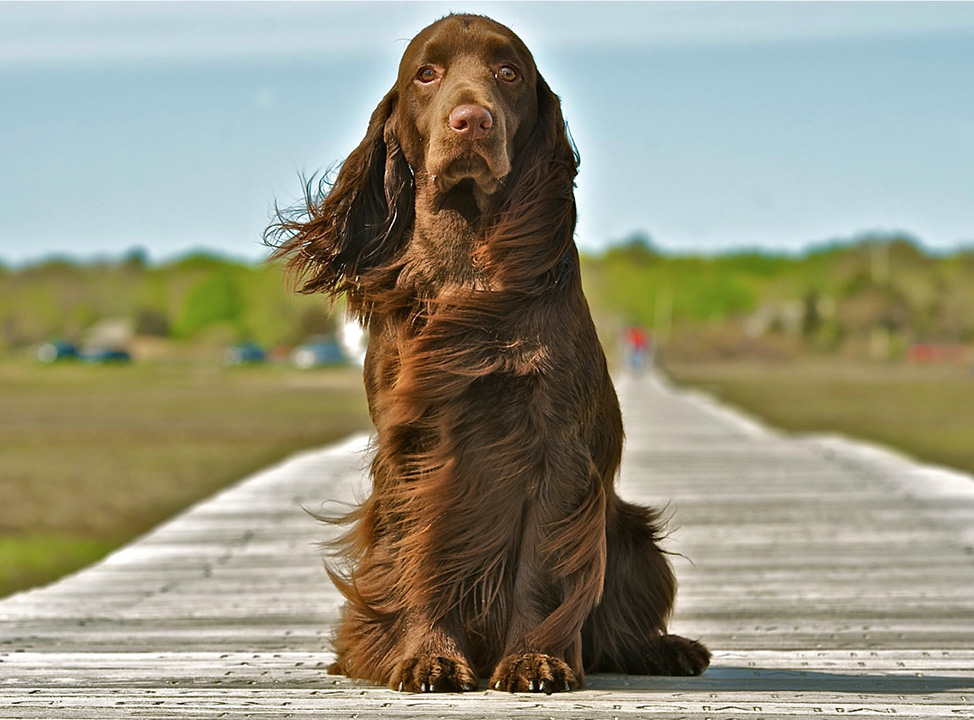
(426, 74)
(507, 73)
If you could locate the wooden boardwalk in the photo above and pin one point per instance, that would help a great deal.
(829, 579)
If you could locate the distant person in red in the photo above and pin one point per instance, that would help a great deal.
(637, 347)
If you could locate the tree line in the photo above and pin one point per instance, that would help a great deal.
(873, 296)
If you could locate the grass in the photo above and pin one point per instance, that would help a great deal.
(91, 456)
(925, 411)
(27, 560)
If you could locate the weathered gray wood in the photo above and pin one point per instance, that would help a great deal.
(829, 578)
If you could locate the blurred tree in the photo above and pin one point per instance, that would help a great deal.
(845, 292)
(317, 320)
(215, 299)
(149, 321)
(637, 249)
(811, 314)
(136, 259)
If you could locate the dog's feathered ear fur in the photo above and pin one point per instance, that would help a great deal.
(346, 234)
(533, 230)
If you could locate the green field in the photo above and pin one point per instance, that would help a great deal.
(925, 411)
(93, 455)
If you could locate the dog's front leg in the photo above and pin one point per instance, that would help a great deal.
(559, 580)
(531, 663)
(433, 658)
(534, 672)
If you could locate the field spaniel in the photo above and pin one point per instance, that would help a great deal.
(493, 544)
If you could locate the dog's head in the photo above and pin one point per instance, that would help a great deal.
(469, 124)
(467, 102)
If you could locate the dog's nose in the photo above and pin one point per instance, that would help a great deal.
(471, 122)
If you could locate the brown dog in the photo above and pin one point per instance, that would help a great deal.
(493, 543)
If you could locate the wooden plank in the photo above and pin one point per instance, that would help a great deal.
(830, 579)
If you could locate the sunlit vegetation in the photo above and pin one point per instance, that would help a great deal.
(874, 338)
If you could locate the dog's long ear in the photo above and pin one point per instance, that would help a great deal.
(534, 227)
(343, 238)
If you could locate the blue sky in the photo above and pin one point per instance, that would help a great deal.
(709, 126)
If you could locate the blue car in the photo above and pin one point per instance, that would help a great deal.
(57, 351)
(318, 350)
(105, 355)
(243, 354)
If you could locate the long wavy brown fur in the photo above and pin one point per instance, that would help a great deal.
(492, 531)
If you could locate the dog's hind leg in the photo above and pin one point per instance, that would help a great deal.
(627, 631)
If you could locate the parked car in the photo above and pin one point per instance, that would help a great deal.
(105, 355)
(318, 350)
(55, 351)
(243, 354)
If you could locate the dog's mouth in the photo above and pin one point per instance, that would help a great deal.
(479, 168)
(464, 198)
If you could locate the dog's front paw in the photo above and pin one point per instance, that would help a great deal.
(674, 655)
(533, 672)
(433, 673)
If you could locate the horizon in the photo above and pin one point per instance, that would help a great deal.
(709, 128)
(144, 257)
